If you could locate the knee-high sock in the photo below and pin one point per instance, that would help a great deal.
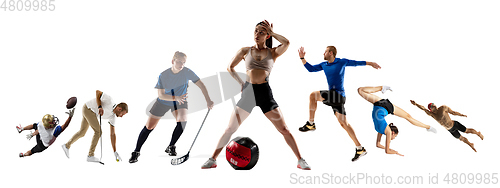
(177, 132)
(143, 136)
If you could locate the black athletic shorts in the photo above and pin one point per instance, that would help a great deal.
(39, 144)
(257, 95)
(457, 126)
(334, 99)
(385, 103)
(160, 109)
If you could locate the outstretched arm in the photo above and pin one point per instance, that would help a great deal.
(70, 113)
(421, 107)
(210, 103)
(454, 112)
(373, 64)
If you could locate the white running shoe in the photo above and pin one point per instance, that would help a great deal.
(19, 129)
(211, 163)
(385, 88)
(92, 159)
(66, 150)
(302, 164)
(432, 129)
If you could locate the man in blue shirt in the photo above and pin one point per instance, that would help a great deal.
(334, 69)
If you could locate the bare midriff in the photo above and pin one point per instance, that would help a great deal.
(257, 76)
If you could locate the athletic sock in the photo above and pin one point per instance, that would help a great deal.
(311, 122)
(359, 147)
(143, 136)
(179, 129)
(385, 88)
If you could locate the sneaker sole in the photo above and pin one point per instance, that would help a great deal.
(64, 149)
(298, 166)
(360, 156)
(214, 166)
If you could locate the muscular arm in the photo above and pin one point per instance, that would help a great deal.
(279, 50)
(422, 108)
(240, 55)
(448, 109)
(113, 137)
(66, 123)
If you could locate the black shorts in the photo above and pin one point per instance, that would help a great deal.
(39, 144)
(385, 103)
(160, 109)
(334, 99)
(457, 126)
(257, 95)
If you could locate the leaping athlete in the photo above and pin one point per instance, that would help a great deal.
(441, 115)
(46, 132)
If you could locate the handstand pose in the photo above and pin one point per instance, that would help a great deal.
(441, 115)
(382, 108)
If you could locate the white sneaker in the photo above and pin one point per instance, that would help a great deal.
(432, 129)
(385, 88)
(211, 163)
(66, 150)
(92, 159)
(302, 164)
(19, 129)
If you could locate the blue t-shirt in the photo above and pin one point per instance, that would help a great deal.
(378, 116)
(334, 72)
(178, 83)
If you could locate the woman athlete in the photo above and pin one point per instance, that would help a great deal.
(172, 93)
(259, 60)
(382, 108)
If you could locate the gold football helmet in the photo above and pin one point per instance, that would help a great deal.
(50, 121)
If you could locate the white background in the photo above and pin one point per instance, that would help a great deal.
(430, 51)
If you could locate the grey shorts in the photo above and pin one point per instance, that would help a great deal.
(160, 109)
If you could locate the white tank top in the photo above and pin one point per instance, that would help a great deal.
(46, 135)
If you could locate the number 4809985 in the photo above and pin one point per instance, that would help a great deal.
(28, 5)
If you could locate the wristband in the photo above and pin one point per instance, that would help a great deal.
(100, 106)
(301, 58)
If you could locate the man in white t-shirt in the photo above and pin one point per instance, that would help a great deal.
(104, 107)
(46, 132)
